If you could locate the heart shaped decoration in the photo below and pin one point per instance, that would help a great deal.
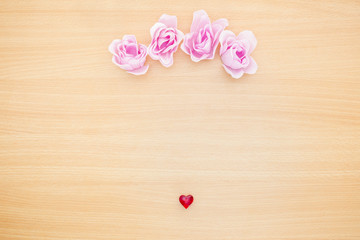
(186, 201)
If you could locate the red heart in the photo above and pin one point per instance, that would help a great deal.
(186, 201)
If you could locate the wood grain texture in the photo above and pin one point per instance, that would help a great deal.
(88, 151)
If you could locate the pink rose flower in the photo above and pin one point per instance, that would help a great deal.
(203, 38)
(129, 55)
(165, 38)
(235, 53)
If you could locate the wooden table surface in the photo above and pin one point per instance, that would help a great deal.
(88, 151)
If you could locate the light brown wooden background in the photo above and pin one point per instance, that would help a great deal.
(88, 151)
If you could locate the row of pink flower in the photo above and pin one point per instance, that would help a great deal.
(200, 44)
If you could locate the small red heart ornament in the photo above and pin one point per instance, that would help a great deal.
(186, 201)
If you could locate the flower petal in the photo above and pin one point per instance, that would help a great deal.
(126, 67)
(250, 37)
(169, 20)
(152, 54)
(131, 49)
(167, 59)
(211, 55)
(227, 58)
(113, 46)
(225, 35)
(179, 36)
(139, 71)
(184, 48)
(129, 38)
(217, 28)
(222, 22)
(200, 19)
(235, 73)
(155, 27)
(196, 57)
(252, 67)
